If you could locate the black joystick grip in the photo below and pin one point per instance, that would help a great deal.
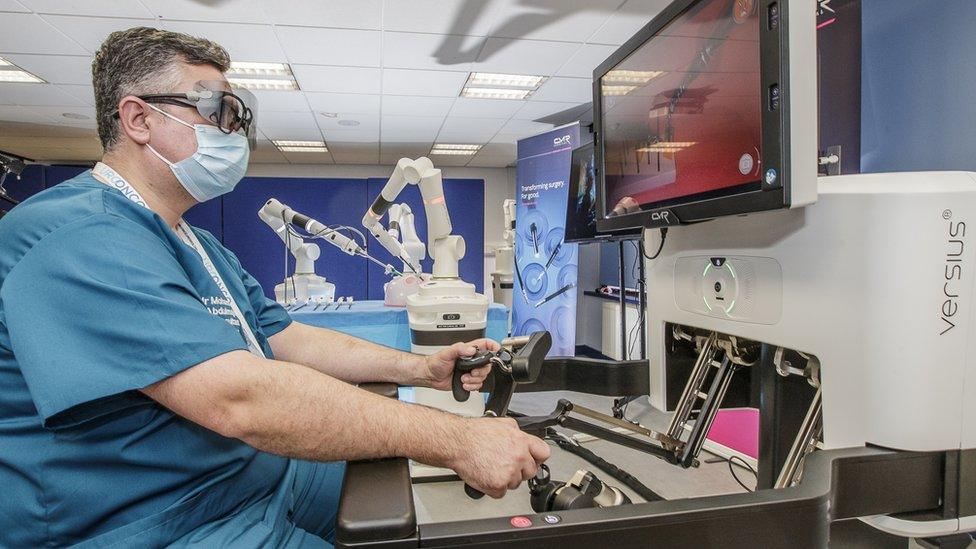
(473, 493)
(463, 366)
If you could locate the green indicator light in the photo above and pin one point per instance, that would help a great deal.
(705, 299)
(731, 306)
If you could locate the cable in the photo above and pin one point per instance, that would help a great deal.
(664, 236)
(631, 339)
(616, 472)
(736, 477)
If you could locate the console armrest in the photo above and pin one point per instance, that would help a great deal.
(376, 502)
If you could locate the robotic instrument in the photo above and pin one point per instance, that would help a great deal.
(503, 278)
(445, 309)
(304, 286)
(403, 230)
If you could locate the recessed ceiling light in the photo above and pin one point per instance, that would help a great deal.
(667, 146)
(12, 73)
(75, 116)
(349, 122)
(492, 85)
(261, 76)
(300, 146)
(493, 80)
(630, 77)
(455, 149)
(616, 90)
(494, 93)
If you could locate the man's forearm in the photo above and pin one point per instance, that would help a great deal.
(346, 357)
(291, 410)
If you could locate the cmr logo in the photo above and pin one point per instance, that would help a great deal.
(664, 217)
(561, 141)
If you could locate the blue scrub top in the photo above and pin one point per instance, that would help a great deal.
(98, 298)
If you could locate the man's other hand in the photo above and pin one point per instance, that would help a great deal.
(440, 366)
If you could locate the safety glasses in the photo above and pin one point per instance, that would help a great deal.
(231, 111)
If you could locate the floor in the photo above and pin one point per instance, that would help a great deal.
(446, 501)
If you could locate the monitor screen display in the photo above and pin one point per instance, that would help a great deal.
(682, 114)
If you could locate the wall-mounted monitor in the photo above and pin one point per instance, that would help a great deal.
(581, 208)
(710, 110)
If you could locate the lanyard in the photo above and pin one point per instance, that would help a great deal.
(110, 177)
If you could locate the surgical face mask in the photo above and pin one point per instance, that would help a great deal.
(217, 166)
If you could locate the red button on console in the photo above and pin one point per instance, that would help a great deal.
(521, 522)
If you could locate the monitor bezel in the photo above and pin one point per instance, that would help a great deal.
(774, 60)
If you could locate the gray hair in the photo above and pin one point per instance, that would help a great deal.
(144, 60)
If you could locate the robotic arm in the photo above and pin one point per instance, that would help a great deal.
(278, 216)
(402, 229)
(446, 249)
(508, 210)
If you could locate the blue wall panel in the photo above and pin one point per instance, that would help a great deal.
(331, 201)
(465, 202)
(208, 216)
(57, 174)
(917, 80)
(30, 183)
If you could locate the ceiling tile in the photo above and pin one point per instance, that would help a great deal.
(506, 138)
(428, 83)
(440, 16)
(12, 6)
(313, 78)
(587, 58)
(567, 20)
(344, 47)
(485, 108)
(28, 33)
(352, 136)
(370, 158)
(629, 19)
(406, 50)
(489, 161)
(410, 129)
(82, 92)
(524, 128)
(343, 103)
(409, 105)
(279, 101)
(353, 147)
(267, 154)
(105, 8)
(538, 109)
(90, 32)
(513, 56)
(349, 14)
(570, 90)
(449, 160)
(55, 113)
(367, 123)
(223, 11)
(479, 126)
(289, 125)
(35, 94)
(309, 158)
(56, 69)
(471, 135)
(498, 149)
(396, 151)
(19, 114)
(242, 41)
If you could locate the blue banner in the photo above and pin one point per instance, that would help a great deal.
(545, 285)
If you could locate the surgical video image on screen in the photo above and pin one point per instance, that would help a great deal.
(681, 115)
(581, 221)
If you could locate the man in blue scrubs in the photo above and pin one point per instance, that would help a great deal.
(150, 395)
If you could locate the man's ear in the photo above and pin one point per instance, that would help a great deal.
(134, 119)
